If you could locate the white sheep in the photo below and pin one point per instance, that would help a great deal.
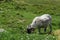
(40, 22)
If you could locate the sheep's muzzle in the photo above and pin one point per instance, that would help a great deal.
(30, 30)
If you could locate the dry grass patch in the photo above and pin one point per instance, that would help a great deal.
(56, 32)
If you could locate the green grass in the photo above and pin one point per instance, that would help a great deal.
(16, 15)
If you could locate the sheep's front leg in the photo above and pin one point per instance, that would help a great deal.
(39, 29)
(45, 29)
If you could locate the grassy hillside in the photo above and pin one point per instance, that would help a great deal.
(17, 14)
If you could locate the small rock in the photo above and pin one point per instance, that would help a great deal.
(2, 30)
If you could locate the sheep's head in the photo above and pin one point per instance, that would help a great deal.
(30, 29)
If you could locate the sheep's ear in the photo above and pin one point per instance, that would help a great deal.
(29, 26)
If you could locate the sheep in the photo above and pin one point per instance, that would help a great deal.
(40, 22)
